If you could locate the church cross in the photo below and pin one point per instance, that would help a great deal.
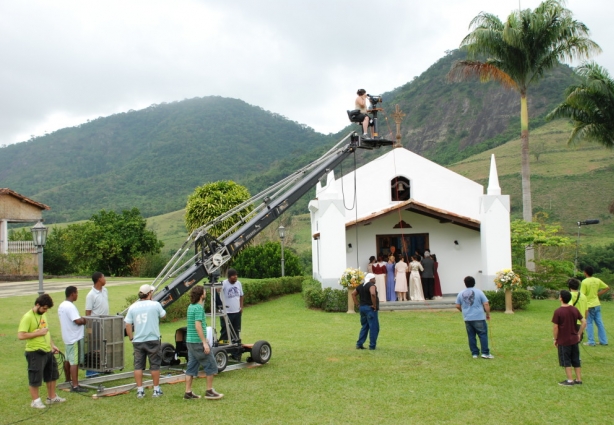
(398, 117)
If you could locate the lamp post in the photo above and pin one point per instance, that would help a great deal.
(580, 224)
(39, 235)
(282, 235)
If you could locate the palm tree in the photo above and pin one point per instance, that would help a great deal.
(518, 54)
(590, 106)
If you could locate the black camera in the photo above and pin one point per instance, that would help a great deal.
(374, 99)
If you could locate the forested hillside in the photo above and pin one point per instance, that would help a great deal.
(152, 158)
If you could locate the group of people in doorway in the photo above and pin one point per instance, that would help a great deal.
(403, 278)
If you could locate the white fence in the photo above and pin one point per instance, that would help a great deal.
(21, 247)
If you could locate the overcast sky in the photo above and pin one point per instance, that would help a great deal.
(64, 62)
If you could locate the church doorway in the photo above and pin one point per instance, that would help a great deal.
(404, 245)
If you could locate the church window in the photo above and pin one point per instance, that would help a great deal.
(400, 189)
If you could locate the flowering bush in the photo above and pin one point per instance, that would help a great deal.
(507, 279)
(351, 278)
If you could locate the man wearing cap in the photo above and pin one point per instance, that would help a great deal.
(145, 315)
(369, 306)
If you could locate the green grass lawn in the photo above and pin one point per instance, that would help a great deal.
(422, 372)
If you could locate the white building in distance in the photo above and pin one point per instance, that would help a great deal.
(404, 200)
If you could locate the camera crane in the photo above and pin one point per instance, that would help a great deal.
(202, 255)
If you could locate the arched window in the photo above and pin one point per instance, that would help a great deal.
(400, 190)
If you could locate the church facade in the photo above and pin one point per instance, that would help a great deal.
(403, 200)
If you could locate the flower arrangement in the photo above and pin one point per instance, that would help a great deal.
(507, 279)
(351, 278)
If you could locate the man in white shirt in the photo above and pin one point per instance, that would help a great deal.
(233, 300)
(97, 301)
(72, 334)
(96, 304)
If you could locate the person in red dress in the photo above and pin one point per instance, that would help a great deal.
(438, 293)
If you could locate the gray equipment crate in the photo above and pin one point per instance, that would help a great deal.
(103, 343)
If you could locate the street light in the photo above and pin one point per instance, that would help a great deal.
(282, 235)
(580, 224)
(39, 235)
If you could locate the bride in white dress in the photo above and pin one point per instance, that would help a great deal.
(415, 284)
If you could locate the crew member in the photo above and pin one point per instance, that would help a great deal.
(361, 104)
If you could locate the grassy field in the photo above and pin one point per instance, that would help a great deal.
(422, 372)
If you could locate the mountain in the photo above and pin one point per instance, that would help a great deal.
(152, 158)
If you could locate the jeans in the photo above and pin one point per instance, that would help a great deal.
(479, 328)
(370, 325)
(594, 315)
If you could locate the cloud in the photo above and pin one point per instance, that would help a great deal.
(68, 61)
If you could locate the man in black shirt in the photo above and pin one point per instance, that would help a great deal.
(369, 306)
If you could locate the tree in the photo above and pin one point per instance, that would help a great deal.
(109, 242)
(538, 150)
(590, 106)
(519, 52)
(262, 261)
(210, 201)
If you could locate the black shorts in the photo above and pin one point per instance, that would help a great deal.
(569, 355)
(150, 349)
(361, 117)
(41, 367)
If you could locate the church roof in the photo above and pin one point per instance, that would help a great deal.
(411, 205)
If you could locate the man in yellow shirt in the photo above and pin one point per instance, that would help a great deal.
(593, 288)
(40, 351)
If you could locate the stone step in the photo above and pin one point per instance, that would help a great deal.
(441, 304)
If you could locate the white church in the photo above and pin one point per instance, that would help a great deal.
(404, 200)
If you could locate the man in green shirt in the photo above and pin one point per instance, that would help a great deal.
(40, 351)
(593, 288)
(199, 350)
(578, 300)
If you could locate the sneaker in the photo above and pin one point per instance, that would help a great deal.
(360, 347)
(78, 389)
(157, 393)
(190, 396)
(140, 394)
(56, 399)
(567, 383)
(590, 345)
(475, 356)
(576, 382)
(488, 356)
(213, 395)
(38, 404)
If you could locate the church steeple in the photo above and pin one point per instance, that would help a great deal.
(493, 179)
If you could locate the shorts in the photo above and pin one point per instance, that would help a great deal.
(145, 349)
(361, 117)
(74, 353)
(197, 358)
(41, 367)
(569, 355)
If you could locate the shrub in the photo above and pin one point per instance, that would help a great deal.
(539, 292)
(328, 299)
(496, 299)
(264, 261)
(335, 300)
(148, 265)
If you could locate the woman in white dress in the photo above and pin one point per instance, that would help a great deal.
(400, 286)
(415, 285)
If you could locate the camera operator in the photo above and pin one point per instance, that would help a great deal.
(361, 104)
